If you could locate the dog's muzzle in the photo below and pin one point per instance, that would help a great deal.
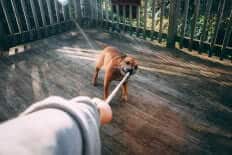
(131, 70)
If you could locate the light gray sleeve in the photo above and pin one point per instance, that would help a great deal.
(54, 126)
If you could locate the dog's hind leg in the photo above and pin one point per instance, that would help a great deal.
(99, 64)
(95, 76)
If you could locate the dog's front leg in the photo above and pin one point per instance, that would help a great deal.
(107, 80)
(124, 92)
(94, 81)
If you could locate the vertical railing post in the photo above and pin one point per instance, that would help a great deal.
(205, 24)
(138, 21)
(25, 14)
(3, 40)
(16, 14)
(117, 18)
(227, 36)
(193, 22)
(145, 19)
(218, 23)
(124, 17)
(35, 17)
(153, 19)
(41, 8)
(50, 11)
(172, 28)
(184, 23)
(8, 21)
(130, 19)
(78, 11)
(161, 21)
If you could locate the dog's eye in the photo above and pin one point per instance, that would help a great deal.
(127, 62)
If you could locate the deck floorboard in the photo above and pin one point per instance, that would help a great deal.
(178, 104)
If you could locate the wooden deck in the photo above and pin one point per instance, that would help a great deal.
(178, 104)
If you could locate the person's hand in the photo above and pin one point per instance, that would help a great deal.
(105, 111)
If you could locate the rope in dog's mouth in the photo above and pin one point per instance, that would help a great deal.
(111, 96)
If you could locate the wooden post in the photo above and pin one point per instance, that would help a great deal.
(205, 24)
(227, 36)
(118, 18)
(153, 18)
(218, 23)
(184, 23)
(193, 22)
(172, 28)
(138, 21)
(145, 19)
(161, 22)
(130, 19)
(124, 17)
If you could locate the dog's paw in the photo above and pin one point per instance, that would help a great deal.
(124, 99)
(94, 84)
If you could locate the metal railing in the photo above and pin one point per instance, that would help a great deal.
(194, 25)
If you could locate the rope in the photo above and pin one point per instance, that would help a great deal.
(112, 95)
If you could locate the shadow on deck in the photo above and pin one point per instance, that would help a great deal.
(178, 104)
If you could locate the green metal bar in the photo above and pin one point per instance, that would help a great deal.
(205, 24)
(16, 14)
(9, 24)
(218, 23)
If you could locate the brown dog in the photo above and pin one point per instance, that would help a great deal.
(116, 65)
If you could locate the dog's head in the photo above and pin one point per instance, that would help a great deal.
(128, 64)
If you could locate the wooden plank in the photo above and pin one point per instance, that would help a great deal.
(7, 17)
(184, 22)
(16, 14)
(25, 14)
(41, 8)
(153, 18)
(161, 21)
(193, 23)
(172, 28)
(145, 18)
(205, 24)
(227, 36)
(218, 23)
